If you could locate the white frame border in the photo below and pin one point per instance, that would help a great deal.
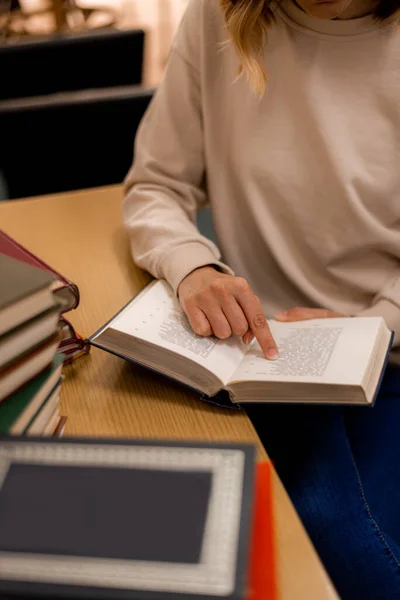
(215, 574)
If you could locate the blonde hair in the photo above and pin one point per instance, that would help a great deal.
(247, 22)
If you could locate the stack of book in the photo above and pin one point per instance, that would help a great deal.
(66, 292)
(30, 366)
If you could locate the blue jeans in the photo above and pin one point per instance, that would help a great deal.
(341, 468)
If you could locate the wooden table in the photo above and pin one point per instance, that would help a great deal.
(81, 235)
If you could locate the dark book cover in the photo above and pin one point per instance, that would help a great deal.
(67, 291)
(23, 280)
(140, 520)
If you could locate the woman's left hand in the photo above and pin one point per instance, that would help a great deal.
(300, 313)
(305, 314)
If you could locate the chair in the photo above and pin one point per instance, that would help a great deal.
(71, 62)
(205, 224)
(70, 141)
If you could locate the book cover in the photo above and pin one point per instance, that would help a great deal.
(67, 290)
(263, 583)
(141, 519)
(23, 280)
(27, 336)
(52, 423)
(14, 376)
(17, 410)
(40, 420)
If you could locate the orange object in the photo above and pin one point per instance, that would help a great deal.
(263, 580)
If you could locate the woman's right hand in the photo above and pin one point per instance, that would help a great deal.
(222, 305)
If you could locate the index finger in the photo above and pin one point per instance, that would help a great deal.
(253, 310)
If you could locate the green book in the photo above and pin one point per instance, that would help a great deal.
(18, 410)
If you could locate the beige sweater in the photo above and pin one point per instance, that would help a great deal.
(303, 184)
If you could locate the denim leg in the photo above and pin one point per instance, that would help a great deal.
(375, 441)
(314, 457)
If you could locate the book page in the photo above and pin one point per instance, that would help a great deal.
(322, 350)
(157, 317)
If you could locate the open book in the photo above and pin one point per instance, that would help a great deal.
(322, 361)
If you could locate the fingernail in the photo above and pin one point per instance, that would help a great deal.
(247, 338)
(281, 316)
(272, 354)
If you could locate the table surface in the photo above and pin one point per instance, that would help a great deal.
(80, 234)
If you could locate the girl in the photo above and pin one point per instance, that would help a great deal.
(285, 118)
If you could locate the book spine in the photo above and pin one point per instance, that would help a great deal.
(68, 294)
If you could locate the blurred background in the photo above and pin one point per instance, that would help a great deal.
(76, 79)
(22, 19)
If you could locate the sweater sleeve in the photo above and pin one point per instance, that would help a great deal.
(165, 187)
(387, 305)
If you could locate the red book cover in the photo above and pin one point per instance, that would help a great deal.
(262, 578)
